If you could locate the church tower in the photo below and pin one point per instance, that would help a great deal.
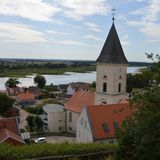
(111, 71)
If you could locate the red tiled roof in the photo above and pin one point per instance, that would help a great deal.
(9, 131)
(101, 114)
(7, 135)
(10, 124)
(26, 96)
(79, 100)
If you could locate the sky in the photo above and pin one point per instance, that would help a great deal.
(77, 29)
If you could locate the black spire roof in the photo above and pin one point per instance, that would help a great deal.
(112, 51)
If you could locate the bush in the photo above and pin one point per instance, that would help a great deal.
(34, 110)
(10, 152)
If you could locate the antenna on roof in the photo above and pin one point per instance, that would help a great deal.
(113, 11)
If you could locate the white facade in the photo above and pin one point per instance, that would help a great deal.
(70, 90)
(110, 83)
(71, 121)
(83, 133)
(56, 121)
(55, 118)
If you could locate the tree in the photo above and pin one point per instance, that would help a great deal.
(40, 81)
(6, 103)
(12, 82)
(38, 123)
(139, 137)
(30, 122)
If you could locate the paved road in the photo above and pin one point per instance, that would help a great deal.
(23, 116)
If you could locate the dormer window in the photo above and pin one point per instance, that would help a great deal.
(105, 127)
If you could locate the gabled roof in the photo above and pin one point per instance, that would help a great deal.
(106, 115)
(26, 96)
(35, 90)
(112, 51)
(10, 124)
(79, 100)
(10, 137)
(9, 131)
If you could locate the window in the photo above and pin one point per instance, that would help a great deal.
(119, 87)
(60, 128)
(70, 128)
(70, 116)
(105, 127)
(111, 141)
(105, 87)
(116, 125)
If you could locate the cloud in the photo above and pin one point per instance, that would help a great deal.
(149, 16)
(70, 42)
(93, 38)
(18, 33)
(36, 10)
(78, 9)
(125, 40)
(56, 32)
(93, 27)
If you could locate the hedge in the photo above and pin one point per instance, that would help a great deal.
(10, 152)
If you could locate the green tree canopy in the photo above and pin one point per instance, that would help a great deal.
(40, 81)
(38, 123)
(139, 138)
(12, 82)
(30, 122)
(6, 103)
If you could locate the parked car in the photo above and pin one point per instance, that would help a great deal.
(40, 140)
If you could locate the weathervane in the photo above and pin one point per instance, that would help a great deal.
(113, 11)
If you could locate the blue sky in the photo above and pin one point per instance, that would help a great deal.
(77, 29)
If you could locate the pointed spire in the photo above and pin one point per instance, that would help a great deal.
(113, 17)
(112, 51)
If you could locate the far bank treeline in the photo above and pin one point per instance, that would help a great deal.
(20, 68)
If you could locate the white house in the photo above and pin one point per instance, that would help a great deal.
(54, 118)
(98, 123)
(74, 107)
(78, 86)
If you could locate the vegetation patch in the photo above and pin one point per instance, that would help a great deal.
(10, 152)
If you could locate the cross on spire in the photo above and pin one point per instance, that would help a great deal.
(113, 11)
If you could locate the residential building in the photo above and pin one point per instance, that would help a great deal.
(25, 99)
(74, 107)
(9, 131)
(54, 118)
(98, 123)
(36, 91)
(79, 86)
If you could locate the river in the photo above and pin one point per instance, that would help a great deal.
(66, 78)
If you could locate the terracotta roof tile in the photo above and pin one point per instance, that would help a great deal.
(26, 96)
(10, 124)
(6, 134)
(79, 100)
(107, 114)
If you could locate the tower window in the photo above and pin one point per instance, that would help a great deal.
(119, 87)
(105, 87)
(70, 116)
